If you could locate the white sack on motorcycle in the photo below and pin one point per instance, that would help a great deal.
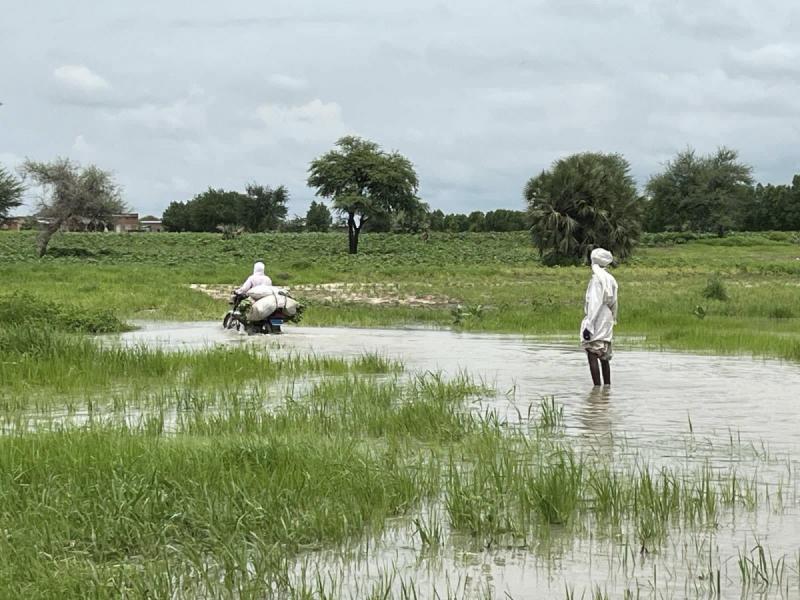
(262, 291)
(263, 308)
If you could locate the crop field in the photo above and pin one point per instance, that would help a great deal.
(255, 470)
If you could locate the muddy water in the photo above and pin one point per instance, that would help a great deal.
(671, 407)
(655, 395)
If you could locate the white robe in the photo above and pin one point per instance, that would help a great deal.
(600, 307)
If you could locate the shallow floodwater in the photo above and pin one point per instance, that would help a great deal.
(654, 394)
(667, 407)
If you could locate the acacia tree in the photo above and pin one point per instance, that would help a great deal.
(584, 201)
(11, 190)
(72, 194)
(363, 181)
(699, 193)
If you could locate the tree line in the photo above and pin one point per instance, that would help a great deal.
(579, 202)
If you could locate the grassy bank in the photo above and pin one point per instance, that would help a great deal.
(496, 276)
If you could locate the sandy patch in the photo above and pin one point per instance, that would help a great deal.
(374, 294)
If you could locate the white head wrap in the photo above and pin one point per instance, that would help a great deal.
(600, 260)
(258, 268)
(601, 257)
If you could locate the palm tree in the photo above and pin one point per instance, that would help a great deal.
(584, 201)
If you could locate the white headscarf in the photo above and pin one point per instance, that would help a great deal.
(258, 268)
(601, 258)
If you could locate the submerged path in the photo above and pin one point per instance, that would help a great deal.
(655, 394)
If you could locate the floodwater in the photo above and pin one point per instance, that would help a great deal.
(654, 395)
(668, 407)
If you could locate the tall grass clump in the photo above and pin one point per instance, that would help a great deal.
(54, 314)
(423, 410)
(508, 484)
(715, 289)
(93, 509)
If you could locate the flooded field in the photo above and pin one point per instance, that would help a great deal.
(653, 397)
(726, 429)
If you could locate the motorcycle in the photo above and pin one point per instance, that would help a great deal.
(236, 318)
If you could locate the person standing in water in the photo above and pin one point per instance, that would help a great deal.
(600, 310)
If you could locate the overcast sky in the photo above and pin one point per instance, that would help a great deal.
(174, 96)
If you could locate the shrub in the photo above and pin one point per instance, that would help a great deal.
(715, 289)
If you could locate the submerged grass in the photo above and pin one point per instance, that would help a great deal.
(520, 486)
(35, 360)
(218, 508)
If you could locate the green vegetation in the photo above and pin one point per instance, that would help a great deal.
(661, 287)
(364, 182)
(11, 190)
(80, 198)
(318, 217)
(700, 193)
(213, 491)
(583, 202)
(143, 472)
(260, 208)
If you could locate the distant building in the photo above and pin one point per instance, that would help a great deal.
(151, 223)
(119, 223)
(13, 223)
(125, 222)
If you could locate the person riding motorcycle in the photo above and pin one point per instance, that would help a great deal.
(257, 278)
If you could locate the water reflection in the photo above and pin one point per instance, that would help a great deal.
(595, 412)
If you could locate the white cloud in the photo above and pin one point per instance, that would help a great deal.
(179, 183)
(716, 93)
(287, 82)
(172, 184)
(772, 59)
(80, 78)
(10, 160)
(478, 99)
(185, 116)
(313, 121)
(82, 148)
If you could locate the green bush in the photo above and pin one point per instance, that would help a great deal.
(22, 308)
(715, 289)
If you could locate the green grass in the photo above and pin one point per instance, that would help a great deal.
(38, 367)
(111, 512)
(663, 289)
(219, 507)
(208, 474)
(213, 492)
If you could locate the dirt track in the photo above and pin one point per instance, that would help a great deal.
(375, 294)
